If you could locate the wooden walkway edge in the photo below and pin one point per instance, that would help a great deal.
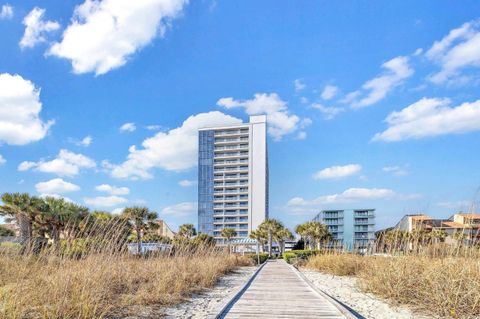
(278, 290)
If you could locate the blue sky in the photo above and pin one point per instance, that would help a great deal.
(370, 104)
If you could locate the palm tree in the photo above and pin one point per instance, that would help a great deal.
(319, 232)
(22, 208)
(53, 217)
(203, 239)
(270, 227)
(313, 233)
(303, 232)
(228, 234)
(140, 220)
(187, 231)
(261, 239)
(281, 236)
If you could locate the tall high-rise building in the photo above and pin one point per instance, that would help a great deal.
(233, 178)
(351, 229)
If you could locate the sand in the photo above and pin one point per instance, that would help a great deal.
(346, 290)
(209, 302)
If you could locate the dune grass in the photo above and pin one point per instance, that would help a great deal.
(95, 277)
(445, 285)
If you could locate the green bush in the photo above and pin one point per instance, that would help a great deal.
(299, 254)
(263, 258)
(288, 256)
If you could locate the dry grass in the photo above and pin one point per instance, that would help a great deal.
(99, 285)
(447, 286)
(95, 277)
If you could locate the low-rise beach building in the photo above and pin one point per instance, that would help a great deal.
(467, 224)
(351, 229)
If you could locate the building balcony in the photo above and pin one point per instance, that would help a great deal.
(231, 155)
(226, 141)
(229, 134)
(230, 162)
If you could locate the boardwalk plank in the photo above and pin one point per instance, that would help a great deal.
(279, 292)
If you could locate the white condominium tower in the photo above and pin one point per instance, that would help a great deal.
(233, 178)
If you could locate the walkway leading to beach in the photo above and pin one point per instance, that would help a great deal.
(279, 291)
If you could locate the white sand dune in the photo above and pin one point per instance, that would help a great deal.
(210, 301)
(345, 290)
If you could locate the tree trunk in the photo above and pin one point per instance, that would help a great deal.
(258, 253)
(270, 244)
(25, 228)
(139, 242)
(56, 236)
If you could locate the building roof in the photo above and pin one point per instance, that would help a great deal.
(420, 217)
(450, 224)
(469, 215)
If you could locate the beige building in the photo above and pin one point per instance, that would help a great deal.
(164, 229)
(466, 223)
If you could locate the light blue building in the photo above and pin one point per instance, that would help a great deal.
(233, 178)
(351, 229)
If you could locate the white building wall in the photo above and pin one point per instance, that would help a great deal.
(257, 180)
(258, 170)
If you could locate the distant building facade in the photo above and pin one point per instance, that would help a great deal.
(466, 223)
(233, 178)
(351, 229)
(163, 229)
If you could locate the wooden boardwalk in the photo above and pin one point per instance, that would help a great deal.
(279, 291)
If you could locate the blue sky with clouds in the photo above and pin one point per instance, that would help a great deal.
(370, 104)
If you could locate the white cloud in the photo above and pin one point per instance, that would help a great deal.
(174, 150)
(102, 35)
(118, 210)
(181, 209)
(349, 195)
(128, 127)
(6, 12)
(299, 85)
(456, 51)
(376, 89)
(430, 117)
(56, 185)
(36, 29)
(65, 164)
(107, 201)
(2, 160)
(328, 112)
(301, 135)
(153, 127)
(20, 108)
(280, 121)
(86, 141)
(187, 183)
(338, 172)
(329, 92)
(395, 170)
(113, 190)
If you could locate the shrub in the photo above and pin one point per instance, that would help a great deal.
(299, 254)
(4, 231)
(337, 264)
(263, 258)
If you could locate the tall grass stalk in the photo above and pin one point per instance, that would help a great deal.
(91, 275)
(435, 277)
